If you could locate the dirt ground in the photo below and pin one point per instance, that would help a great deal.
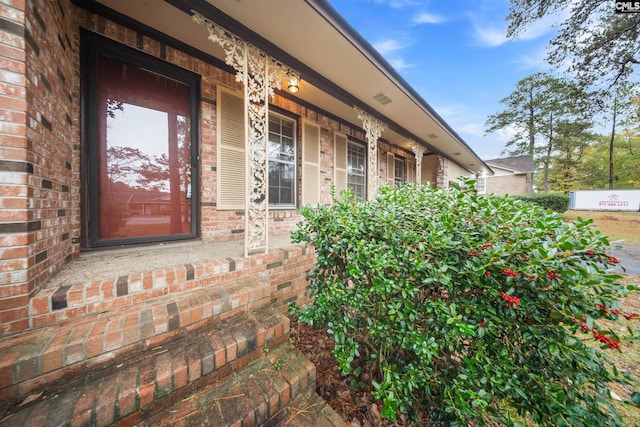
(355, 405)
(622, 227)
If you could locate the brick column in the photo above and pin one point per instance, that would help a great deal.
(442, 180)
(419, 151)
(16, 169)
(39, 185)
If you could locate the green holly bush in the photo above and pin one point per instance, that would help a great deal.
(475, 310)
(556, 202)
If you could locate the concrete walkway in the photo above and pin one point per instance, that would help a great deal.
(629, 256)
(105, 264)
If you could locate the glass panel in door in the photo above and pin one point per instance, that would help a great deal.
(144, 152)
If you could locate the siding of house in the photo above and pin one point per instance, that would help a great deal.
(448, 172)
(512, 175)
(41, 174)
(511, 184)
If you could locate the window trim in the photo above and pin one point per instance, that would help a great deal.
(403, 179)
(94, 46)
(293, 162)
(363, 146)
(484, 185)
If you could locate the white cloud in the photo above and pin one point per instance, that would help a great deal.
(540, 28)
(493, 145)
(490, 36)
(493, 35)
(427, 18)
(476, 129)
(507, 133)
(448, 112)
(387, 46)
(468, 122)
(399, 63)
(398, 4)
(536, 60)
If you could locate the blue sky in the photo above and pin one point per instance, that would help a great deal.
(455, 54)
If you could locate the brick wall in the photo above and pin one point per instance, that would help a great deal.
(219, 224)
(41, 213)
(442, 177)
(15, 169)
(430, 169)
(53, 129)
(511, 184)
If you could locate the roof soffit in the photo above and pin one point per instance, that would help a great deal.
(334, 63)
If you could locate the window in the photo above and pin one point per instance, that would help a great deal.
(356, 169)
(481, 185)
(282, 156)
(350, 166)
(399, 177)
(141, 141)
(282, 161)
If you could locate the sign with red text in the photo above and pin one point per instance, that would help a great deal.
(605, 200)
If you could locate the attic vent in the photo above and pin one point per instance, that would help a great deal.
(382, 98)
(432, 135)
(457, 153)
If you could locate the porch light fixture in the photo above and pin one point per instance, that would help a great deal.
(293, 84)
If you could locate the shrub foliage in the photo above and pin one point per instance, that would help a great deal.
(473, 309)
(556, 202)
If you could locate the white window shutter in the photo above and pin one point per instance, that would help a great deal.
(310, 164)
(340, 162)
(231, 150)
(391, 169)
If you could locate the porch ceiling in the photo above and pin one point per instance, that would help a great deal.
(338, 67)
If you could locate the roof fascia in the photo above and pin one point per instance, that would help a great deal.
(329, 13)
(506, 168)
(313, 77)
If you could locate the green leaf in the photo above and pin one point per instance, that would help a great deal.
(415, 259)
(389, 408)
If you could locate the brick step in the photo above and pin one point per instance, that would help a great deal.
(278, 389)
(155, 378)
(37, 364)
(308, 409)
(73, 300)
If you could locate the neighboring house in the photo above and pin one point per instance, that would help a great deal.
(512, 175)
(145, 122)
